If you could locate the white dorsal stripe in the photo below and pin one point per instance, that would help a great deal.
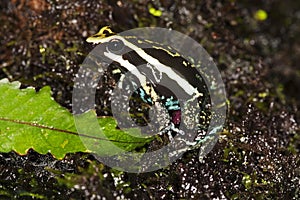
(168, 71)
(134, 70)
(130, 67)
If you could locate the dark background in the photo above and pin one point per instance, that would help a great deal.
(257, 156)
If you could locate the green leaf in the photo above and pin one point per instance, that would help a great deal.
(30, 119)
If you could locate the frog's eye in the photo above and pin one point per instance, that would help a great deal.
(115, 46)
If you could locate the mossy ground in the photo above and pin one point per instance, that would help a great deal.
(257, 157)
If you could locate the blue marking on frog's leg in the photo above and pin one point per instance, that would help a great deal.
(204, 144)
(172, 104)
(212, 135)
(142, 94)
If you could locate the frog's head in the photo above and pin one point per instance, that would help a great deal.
(110, 46)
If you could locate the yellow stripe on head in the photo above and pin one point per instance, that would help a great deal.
(103, 33)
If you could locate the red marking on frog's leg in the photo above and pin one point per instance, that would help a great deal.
(176, 117)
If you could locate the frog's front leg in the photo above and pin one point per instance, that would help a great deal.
(171, 129)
